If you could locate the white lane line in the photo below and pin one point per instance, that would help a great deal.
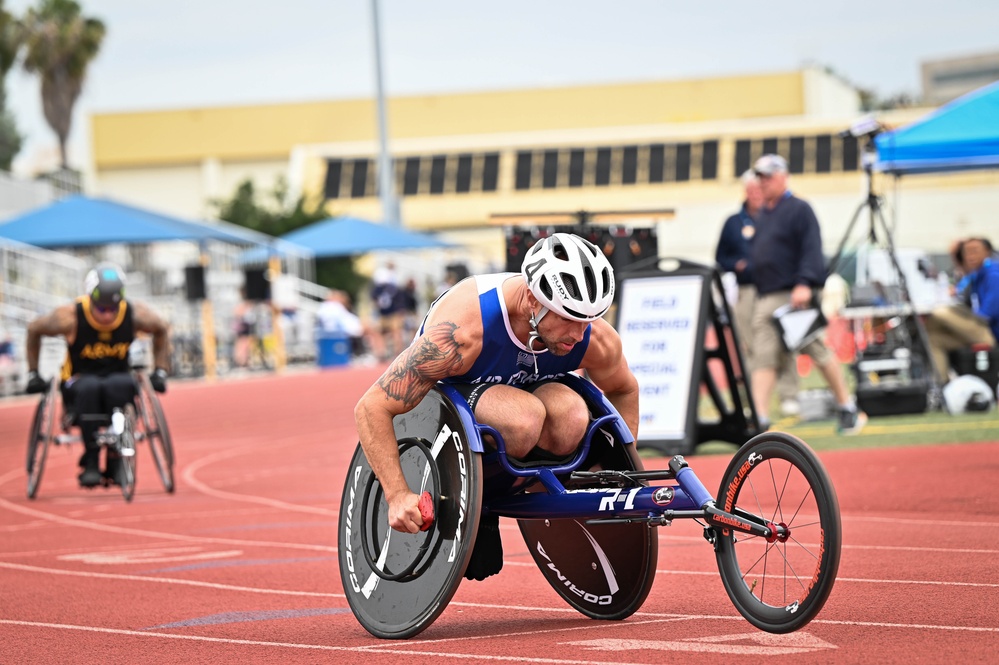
(165, 580)
(192, 481)
(846, 546)
(519, 658)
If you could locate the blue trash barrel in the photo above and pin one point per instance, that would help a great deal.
(334, 350)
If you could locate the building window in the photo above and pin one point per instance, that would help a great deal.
(359, 179)
(602, 177)
(770, 146)
(823, 153)
(523, 175)
(577, 167)
(463, 178)
(850, 154)
(743, 156)
(629, 165)
(334, 171)
(411, 177)
(796, 155)
(438, 169)
(709, 160)
(490, 172)
(682, 162)
(549, 173)
(657, 161)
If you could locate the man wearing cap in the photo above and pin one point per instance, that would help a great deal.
(732, 255)
(99, 328)
(788, 267)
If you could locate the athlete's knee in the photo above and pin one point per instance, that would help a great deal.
(566, 424)
(523, 432)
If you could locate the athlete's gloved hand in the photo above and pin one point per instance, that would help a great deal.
(36, 384)
(158, 379)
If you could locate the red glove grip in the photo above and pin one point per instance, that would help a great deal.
(426, 510)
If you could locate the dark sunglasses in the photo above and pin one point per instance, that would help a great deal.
(110, 309)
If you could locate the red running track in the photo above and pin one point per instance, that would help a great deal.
(239, 565)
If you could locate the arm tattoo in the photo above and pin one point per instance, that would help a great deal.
(412, 374)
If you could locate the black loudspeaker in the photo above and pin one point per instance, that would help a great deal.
(624, 247)
(518, 241)
(258, 287)
(194, 282)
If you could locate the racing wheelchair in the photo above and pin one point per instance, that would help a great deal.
(140, 421)
(774, 525)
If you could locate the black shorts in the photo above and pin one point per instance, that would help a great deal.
(473, 391)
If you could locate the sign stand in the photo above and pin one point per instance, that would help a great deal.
(676, 330)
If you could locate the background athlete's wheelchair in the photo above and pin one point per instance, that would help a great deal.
(775, 526)
(141, 421)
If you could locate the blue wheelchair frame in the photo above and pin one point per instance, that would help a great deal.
(689, 498)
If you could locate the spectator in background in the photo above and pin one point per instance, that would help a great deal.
(334, 317)
(409, 304)
(788, 267)
(974, 319)
(244, 324)
(732, 255)
(385, 296)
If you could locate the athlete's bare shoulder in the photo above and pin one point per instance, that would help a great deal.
(60, 321)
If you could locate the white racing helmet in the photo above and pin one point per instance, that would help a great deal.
(569, 276)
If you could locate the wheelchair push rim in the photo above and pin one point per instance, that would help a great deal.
(154, 431)
(397, 584)
(779, 584)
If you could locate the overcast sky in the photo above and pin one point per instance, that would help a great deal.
(192, 53)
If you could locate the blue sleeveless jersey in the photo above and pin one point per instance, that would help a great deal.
(503, 358)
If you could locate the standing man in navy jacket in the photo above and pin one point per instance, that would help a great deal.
(788, 267)
(733, 255)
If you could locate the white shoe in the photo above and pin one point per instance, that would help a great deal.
(790, 408)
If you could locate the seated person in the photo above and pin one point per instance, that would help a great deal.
(334, 317)
(98, 327)
(974, 319)
(504, 341)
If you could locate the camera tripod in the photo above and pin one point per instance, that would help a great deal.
(879, 234)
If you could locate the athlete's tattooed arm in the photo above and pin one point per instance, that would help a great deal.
(434, 356)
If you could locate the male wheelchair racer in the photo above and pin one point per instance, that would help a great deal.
(140, 421)
(774, 527)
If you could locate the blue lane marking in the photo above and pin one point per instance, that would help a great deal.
(237, 562)
(242, 617)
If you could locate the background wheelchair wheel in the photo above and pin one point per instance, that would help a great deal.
(611, 567)
(153, 428)
(780, 586)
(435, 559)
(42, 431)
(125, 449)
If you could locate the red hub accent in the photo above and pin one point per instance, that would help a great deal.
(778, 532)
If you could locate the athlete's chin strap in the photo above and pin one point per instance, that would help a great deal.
(535, 336)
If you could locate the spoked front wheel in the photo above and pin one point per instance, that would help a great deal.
(126, 452)
(779, 584)
(152, 426)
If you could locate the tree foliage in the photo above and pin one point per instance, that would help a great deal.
(10, 138)
(277, 212)
(60, 43)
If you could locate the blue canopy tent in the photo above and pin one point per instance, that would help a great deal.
(80, 221)
(961, 135)
(348, 236)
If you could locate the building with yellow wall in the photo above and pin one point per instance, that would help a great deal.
(669, 152)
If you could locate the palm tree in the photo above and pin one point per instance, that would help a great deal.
(10, 140)
(59, 46)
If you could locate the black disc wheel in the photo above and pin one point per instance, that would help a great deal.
(604, 571)
(151, 427)
(398, 583)
(779, 584)
(42, 431)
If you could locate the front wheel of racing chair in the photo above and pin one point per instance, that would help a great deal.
(41, 435)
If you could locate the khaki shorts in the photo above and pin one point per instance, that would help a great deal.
(767, 349)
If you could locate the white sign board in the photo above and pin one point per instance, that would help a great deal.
(658, 324)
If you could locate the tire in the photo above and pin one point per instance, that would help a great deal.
(397, 584)
(126, 454)
(153, 428)
(780, 586)
(42, 431)
(604, 571)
